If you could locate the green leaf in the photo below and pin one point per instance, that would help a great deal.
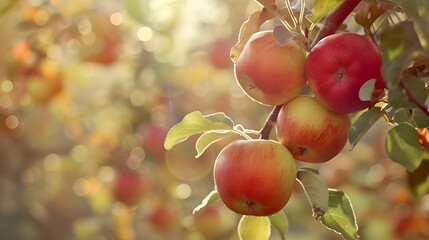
(419, 180)
(365, 92)
(208, 138)
(399, 46)
(362, 123)
(418, 10)
(321, 8)
(254, 228)
(340, 216)
(316, 191)
(195, 123)
(398, 98)
(420, 118)
(213, 196)
(220, 117)
(403, 146)
(280, 222)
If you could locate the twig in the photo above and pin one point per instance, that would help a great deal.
(270, 122)
(412, 98)
(333, 21)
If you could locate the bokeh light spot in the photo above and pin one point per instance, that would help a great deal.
(183, 191)
(52, 162)
(7, 86)
(144, 34)
(12, 121)
(116, 18)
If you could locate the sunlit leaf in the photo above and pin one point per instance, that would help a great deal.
(403, 146)
(367, 15)
(365, 92)
(254, 228)
(399, 46)
(280, 222)
(321, 8)
(220, 117)
(213, 196)
(249, 27)
(208, 138)
(340, 216)
(362, 123)
(316, 191)
(194, 123)
(418, 10)
(419, 180)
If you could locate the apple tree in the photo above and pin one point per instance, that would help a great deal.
(330, 70)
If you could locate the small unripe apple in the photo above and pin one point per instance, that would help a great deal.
(311, 132)
(129, 187)
(255, 177)
(268, 72)
(338, 66)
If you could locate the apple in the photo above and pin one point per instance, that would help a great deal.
(338, 66)
(255, 177)
(268, 72)
(218, 53)
(163, 217)
(152, 137)
(129, 187)
(217, 215)
(311, 132)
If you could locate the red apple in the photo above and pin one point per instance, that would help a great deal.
(152, 137)
(218, 53)
(163, 217)
(268, 72)
(338, 66)
(129, 187)
(255, 177)
(311, 132)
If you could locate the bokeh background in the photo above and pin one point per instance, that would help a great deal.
(88, 91)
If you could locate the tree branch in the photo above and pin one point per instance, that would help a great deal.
(333, 21)
(413, 99)
(330, 25)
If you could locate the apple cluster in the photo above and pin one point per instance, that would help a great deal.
(255, 177)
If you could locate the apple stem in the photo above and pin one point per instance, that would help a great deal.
(330, 25)
(270, 122)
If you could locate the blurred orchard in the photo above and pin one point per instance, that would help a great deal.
(88, 91)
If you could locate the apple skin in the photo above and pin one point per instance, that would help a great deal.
(338, 66)
(311, 132)
(269, 73)
(255, 177)
(129, 187)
